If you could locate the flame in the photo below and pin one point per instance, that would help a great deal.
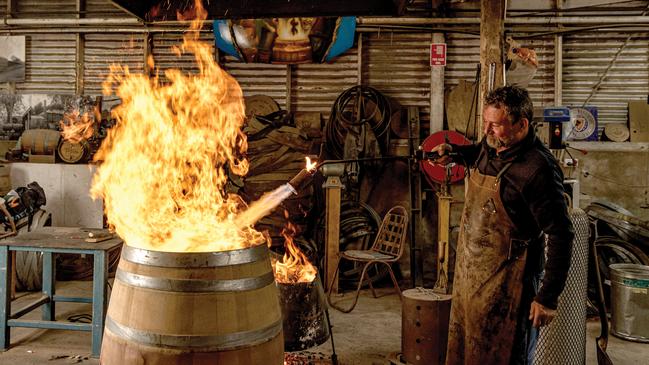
(294, 267)
(77, 127)
(165, 163)
(310, 166)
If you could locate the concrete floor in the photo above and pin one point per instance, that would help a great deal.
(365, 336)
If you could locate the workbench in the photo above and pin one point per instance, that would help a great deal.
(49, 241)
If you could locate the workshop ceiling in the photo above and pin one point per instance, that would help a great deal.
(158, 10)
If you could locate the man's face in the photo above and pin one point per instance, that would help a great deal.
(498, 128)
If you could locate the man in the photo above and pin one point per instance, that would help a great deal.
(514, 195)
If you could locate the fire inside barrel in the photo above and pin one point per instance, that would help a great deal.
(192, 286)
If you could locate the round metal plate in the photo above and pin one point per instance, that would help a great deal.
(260, 105)
(437, 173)
(582, 124)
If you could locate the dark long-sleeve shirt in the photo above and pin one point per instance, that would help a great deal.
(532, 193)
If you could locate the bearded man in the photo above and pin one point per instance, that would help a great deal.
(514, 199)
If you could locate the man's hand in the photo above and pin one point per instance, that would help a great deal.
(541, 315)
(443, 151)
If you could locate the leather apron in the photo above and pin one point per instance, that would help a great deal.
(488, 278)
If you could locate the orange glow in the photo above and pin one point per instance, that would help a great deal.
(76, 128)
(294, 267)
(310, 166)
(165, 163)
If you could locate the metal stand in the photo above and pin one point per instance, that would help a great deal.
(333, 187)
(414, 184)
(334, 357)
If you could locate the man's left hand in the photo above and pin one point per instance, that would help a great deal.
(541, 315)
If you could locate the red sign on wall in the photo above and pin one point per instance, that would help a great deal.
(438, 54)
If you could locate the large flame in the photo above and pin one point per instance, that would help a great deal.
(294, 267)
(76, 127)
(165, 163)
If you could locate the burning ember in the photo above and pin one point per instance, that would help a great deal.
(294, 267)
(165, 163)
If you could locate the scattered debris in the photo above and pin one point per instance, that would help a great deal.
(74, 359)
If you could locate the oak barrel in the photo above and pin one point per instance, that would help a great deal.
(194, 308)
(73, 152)
(40, 141)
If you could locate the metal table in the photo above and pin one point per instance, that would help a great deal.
(51, 240)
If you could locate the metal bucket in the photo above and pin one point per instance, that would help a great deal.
(630, 301)
(303, 313)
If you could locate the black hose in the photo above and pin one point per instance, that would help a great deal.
(349, 110)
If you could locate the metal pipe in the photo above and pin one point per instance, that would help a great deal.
(71, 21)
(637, 19)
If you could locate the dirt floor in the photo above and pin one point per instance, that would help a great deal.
(366, 336)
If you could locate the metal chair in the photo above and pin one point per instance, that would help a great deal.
(386, 249)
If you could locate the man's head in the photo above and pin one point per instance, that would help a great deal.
(506, 116)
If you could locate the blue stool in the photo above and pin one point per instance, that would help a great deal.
(51, 240)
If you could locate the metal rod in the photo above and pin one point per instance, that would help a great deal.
(334, 357)
(638, 19)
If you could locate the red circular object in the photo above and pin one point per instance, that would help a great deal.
(437, 173)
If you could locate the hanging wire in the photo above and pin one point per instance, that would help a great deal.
(352, 109)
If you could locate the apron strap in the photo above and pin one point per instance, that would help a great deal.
(502, 171)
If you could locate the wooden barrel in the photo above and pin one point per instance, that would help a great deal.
(5, 179)
(194, 308)
(73, 152)
(40, 141)
(424, 326)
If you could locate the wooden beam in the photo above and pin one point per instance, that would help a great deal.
(492, 46)
(289, 87)
(437, 92)
(558, 70)
(79, 69)
(12, 8)
(333, 193)
(147, 52)
(359, 60)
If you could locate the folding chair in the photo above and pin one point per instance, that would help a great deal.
(386, 249)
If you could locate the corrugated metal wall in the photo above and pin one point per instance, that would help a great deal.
(585, 60)
(46, 9)
(464, 55)
(257, 78)
(397, 64)
(165, 57)
(50, 64)
(102, 9)
(3, 8)
(102, 50)
(315, 87)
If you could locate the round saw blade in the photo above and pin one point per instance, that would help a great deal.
(582, 124)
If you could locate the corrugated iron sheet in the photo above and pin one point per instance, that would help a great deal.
(463, 54)
(46, 9)
(315, 87)
(585, 60)
(50, 64)
(397, 64)
(165, 57)
(104, 9)
(259, 78)
(102, 50)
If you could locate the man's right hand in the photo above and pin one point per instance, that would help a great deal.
(443, 151)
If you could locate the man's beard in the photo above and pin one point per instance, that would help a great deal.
(495, 142)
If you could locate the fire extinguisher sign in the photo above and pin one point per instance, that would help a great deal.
(438, 54)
